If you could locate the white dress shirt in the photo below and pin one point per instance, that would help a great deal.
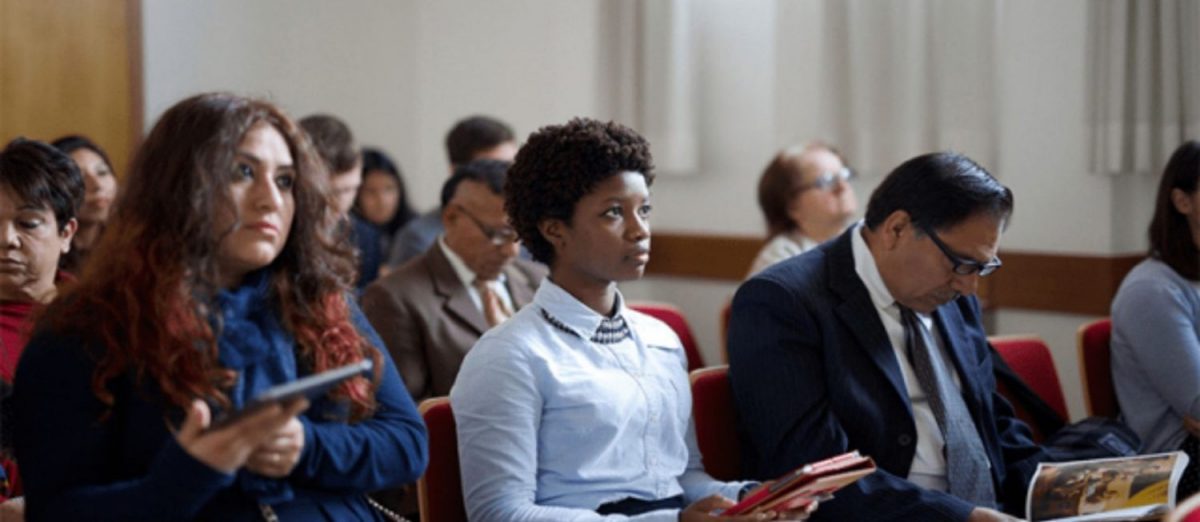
(552, 424)
(467, 276)
(929, 464)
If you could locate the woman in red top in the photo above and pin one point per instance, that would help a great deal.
(40, 192)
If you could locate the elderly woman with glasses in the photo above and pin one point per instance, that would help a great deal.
(806, 198)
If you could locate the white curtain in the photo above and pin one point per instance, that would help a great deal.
(650, 62)
(1144, 76)
(898, 78)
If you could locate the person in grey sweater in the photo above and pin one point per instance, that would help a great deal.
(1156, 322)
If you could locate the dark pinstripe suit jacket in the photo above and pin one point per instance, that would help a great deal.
(814, 374)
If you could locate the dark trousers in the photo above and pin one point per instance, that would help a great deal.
(1189, 483)
(636, 506)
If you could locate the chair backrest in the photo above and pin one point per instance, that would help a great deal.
(674, 318)
(1095, 368)
(439, 490)
(1187, 510)
(716, 422)
(1030, 358)
(726, 316)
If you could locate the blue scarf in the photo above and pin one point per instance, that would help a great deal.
(254, 344)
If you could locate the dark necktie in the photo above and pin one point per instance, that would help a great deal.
(967, 468)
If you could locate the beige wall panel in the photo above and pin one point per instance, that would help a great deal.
(72, 66)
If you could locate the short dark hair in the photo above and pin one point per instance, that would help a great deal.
(473, 135)
(487, 171)
(559, 165)
(74, 142)
(332, 139)
(1171, 238)
(42, 176)
(938, 191)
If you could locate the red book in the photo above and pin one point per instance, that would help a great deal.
(798, 488)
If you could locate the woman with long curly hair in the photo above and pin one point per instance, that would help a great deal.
(216, 279)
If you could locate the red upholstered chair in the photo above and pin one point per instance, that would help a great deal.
(716, 422)
(1095, 367)
(1188, 510)
(674, 318)
(1029, 356)
(726, 315)
(439, 490)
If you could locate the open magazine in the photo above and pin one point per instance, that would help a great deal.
(800, 487)
(1124, 488)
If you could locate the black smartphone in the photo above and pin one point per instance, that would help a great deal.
(310, 387)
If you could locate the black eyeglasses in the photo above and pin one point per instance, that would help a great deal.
(828, 180)
(498, 236)
(963, 266)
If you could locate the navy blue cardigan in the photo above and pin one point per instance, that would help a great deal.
(129, 467)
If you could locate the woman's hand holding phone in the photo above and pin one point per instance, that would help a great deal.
(229, 446)
(279, 454)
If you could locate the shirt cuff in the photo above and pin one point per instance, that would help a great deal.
(748, 487)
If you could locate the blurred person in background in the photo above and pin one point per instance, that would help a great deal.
(471, 138)
(334, 143)
(806, 198)
(382, 201)
(101, 183)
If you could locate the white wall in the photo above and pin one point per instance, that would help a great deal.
(736, 125)
(1043, 132)
(401, 72)
(527, 62)
(355, 59)
(1060, 207)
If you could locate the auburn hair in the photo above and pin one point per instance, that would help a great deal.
(144, 301)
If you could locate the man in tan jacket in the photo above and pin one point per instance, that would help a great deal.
(431, 310)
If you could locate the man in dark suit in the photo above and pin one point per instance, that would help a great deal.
(431, 310)
(873, 342)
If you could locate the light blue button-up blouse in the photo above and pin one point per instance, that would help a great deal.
(552, 425)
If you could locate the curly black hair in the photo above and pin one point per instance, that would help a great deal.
(560, 164)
